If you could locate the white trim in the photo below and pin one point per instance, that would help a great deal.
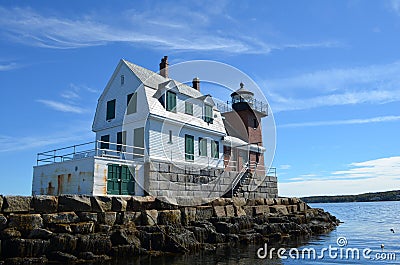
(243, 145)
(177, 122)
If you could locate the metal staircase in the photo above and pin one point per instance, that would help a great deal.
(241, 179)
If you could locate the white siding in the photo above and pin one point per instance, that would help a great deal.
(120, 92)
(161, 149)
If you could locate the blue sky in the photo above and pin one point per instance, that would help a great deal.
(329, 69)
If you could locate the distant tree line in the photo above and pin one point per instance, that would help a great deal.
(365, 197)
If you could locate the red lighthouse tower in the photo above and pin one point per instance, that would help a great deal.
(244, 123)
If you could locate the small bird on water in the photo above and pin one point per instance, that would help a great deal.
(392, 230)
(382, 246)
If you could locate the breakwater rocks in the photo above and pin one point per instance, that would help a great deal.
(72, 228)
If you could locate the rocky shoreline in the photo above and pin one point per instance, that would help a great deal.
(82, 229)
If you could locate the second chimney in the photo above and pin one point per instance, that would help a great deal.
(164, 67)
(196, 83)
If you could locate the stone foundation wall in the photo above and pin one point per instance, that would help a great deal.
(168, 180)
(72, 228)
(267, 189)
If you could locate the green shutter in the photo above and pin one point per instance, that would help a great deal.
(215, 149)
(189, 147)
(202, 147)
(171, 101)
(131, 103)
(110, 110)
(208, 114)
(189, 108)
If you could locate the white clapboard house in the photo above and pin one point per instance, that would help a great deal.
(147, 124)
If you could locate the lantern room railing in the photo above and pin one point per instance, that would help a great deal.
(255, 104)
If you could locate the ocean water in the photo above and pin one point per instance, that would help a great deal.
(358, 240)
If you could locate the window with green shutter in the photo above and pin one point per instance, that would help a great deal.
(202, 147)
(171, 101)
(215, 149)
(208, 114)
(110, 110)
(189, 147)
(189, 108)
(131, 103)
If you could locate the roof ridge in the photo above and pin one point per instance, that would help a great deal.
(152, 79)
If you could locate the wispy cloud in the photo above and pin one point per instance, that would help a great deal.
(340, 99)
(70, 95)
(8, 66)
(374, 175)
(18, 143)
(374, 84)
(285, 167)
(177, 33)
(72, 99)
(60, 106)
(395, 6)
(341, 122)
(387, 167)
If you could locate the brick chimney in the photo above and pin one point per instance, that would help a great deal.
(164, 67)
(196, 83)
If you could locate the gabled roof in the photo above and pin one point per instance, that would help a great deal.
(153, 79)
(208, 99)
(148, 77)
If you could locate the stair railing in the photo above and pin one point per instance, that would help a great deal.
(239, 177)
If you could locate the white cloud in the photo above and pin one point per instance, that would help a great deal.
(341, 122)
(72, 99)
(341, 99)
(387, 167)
(338, 78)
(70, 95)
(78, 88)
(395, 6)
(8, 66)
(284, 167)
(60, 106)
(184, 30)
(374, 84)
(381, 174)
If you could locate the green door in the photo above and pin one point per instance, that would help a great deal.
(127, 182)
(120, 180)
(113, 184)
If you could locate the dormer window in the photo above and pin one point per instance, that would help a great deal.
(171, 101)
(189, 108)
(208, 114)
(122, 80)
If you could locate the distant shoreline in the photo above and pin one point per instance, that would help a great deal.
(365, 197)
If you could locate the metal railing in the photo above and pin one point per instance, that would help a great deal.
(117, 151)
(91, 149)
(272, 171)
(238, 178)
(254, 103)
